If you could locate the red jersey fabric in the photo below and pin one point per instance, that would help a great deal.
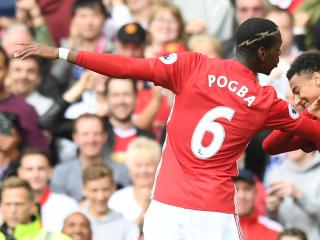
(259, 228)
(219, 106)
(279, 142)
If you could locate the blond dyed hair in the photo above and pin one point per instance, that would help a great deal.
(202, 41)
(15, 182)
(143, 146)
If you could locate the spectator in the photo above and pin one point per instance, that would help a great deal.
(289, 51)
(152, 106)
(292, 234)
(11, 143)
(131, 40)
(88, 17)
(98, 186)
(17, 32)
(245, 9)
(143, 155)
(23, 80)
(58, 17)
(121, 97)
(205, 44)
(77, 226)
(214, 18)
(18, 211)
(166, 27)
(293, 196)
(253, 226)
(54, 208)
(90, 136)
(93, 100)
(29, 12)
(139, 10)
(17, 105)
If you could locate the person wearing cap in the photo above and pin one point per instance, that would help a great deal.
(254, 226)
(152, 107)
(131, 40)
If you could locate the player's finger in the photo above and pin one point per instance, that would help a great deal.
(21, 53)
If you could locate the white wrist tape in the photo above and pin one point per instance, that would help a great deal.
(63, 53)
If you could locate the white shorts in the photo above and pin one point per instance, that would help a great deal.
(166, 222)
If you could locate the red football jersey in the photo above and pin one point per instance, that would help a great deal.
(219, 106)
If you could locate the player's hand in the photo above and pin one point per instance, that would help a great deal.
(314, 108)
(36, 49)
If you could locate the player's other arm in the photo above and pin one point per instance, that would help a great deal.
(278, 142)
(295, 132)
(107, 64)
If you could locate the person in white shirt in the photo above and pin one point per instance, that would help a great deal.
(143, 155)
(54, 208)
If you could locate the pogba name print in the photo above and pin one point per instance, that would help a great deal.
(232, 86)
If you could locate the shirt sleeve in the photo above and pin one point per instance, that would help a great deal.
(279, 142)
(283, 116)
(171, 71)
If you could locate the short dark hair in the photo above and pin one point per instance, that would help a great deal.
(134, 84)
(89, 116)
(34, 151)
(36, 59)
(306, 63)
(90, 4)
(4, 54)
(293, 232)
(255, 33)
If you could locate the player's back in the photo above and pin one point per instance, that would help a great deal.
(218, 110)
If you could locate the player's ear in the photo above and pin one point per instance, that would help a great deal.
(316, 78)
(261, 54)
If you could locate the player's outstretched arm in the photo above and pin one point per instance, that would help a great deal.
(106, 64)
(42, 50)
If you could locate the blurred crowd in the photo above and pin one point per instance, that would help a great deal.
(79, 150)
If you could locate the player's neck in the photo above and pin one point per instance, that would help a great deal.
(249, 63)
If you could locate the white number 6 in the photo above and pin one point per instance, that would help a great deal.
(207, 124)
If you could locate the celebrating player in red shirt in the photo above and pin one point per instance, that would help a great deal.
(304, 80)
(219, 106)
